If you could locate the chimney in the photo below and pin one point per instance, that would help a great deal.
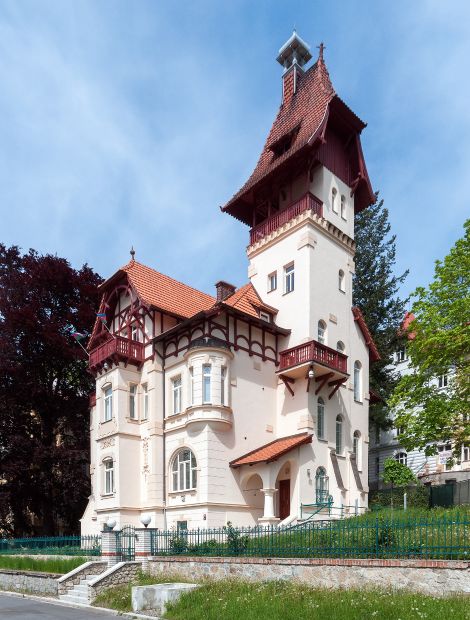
(293, 55)
(224, 290)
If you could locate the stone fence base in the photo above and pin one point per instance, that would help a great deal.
(435, 577)
(28, 582)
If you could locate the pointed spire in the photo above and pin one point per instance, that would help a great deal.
(321, 47)
(132, 253)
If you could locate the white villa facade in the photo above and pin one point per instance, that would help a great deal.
(250, 406)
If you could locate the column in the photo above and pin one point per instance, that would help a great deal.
(109, 547)
(143, 546)
(268, 517)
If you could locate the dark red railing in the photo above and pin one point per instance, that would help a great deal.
(313, 351)
(123, 348)
(306, 203)
(92, 399)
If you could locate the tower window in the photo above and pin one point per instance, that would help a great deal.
(340, 346)
(176, 388)
(145, 398)
(108, 476)
(132, 402)
(108, 404)
(206, 383)
(322, 332)
(343, 207)
(321, 418)
(289, 278)
(357, 381)
(339, 434)
(272, 281)
(334, 202)
(341, 281)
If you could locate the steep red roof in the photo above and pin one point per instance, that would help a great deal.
(359, 317)
(409, 318)
(248, 301)
(307, 114)
(273, 450)
(163, 292)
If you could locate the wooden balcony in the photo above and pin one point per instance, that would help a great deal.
(309, 202)
(115, 350)
(312, 353)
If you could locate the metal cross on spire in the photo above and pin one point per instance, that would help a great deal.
(321, 47)
(132, 253)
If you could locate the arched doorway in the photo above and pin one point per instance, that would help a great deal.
(283, 485)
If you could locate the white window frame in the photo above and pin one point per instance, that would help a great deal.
(207, 383)
(223, 383)
(145, 401)
(133, 414)
(320, 418)
(402, 457)
(289, 278)
(108, 403)
(108, 482)
(357, 381)
(184, 470)
(322, 332)
(334, 204)
(341, 281)
(265, 316)
(343, 207)
(357, 447)
(443, 381)
(191, 386)
(339, 434)
(272, 281)
(177, 394)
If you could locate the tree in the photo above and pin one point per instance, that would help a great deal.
(439, 343)
(375, 291)
(44, 388)
(397, 475)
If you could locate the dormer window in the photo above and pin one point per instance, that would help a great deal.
(284, 143)
(265, 316)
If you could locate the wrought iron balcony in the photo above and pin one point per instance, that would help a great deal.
(313, 352)
(117, 349)
(309, 202)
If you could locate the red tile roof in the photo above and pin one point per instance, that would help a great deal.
(248, 301)
(359, 317)
(409, 318)
(165, 293)
(273, 450)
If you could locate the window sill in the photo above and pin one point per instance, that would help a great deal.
(106, 421)
(322, 439)
(272, 290)
(105, 495)
(132, 420)
(185, 492)
(288, 292)
(359, 402)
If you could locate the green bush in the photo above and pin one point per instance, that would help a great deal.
(417, 497)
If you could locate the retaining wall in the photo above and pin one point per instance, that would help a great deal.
(435, 577)
(68, 581)
(116, 575)
(28, 581)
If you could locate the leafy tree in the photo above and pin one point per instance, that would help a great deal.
(439, 343)
(397, 474)
(44, 388)
(375, 291)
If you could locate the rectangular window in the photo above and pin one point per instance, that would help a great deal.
(399, 431)
(191, 386)
(465, 454)
(108, 404)
(272, 281)
(265, 316)
(145, 402)
(401, 354)
(176, 387)
(223, 372)
(206, 383)
(442, 381)
(134, 333)
(132, 402)
(109, 477)
(289, 278)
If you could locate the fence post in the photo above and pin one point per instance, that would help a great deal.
(377, 537)
(109, 546)
(143, 546)
(405, 498)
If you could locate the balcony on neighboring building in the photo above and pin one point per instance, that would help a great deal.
(309, 202)
(323, 359)
(115, 350)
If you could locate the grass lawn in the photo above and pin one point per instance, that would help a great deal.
(279, 600)
(59, 566)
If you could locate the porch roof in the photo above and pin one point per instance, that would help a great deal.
(273, 450)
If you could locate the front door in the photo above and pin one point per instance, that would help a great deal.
(284, 499)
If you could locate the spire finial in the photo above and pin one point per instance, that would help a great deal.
(321, 47)
(132, 253)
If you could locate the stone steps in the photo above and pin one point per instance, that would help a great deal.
(79, 594)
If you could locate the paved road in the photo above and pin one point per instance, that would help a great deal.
(15, 608)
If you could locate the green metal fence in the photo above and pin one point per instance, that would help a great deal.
(52, 545)
(434, 538)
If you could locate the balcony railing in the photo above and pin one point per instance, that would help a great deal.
(312, 352)
(117, 349)
(306, 203)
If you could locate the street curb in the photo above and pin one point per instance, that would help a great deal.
(54, 601)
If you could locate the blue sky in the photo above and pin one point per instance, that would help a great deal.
(130, 123)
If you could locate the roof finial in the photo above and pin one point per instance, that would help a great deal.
(321, 47)
(132, 253)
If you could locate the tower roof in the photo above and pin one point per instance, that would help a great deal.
(303, 119)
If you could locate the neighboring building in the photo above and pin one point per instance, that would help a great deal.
(435, 469)
(243, 406)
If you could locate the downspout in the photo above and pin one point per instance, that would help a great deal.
(164, 444)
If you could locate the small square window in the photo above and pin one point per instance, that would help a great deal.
(272, 281)
(265, 316)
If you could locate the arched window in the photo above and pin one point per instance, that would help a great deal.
(343, 207)
(401, 457)
(184, 471)
(357, 381)
(339, 434)
(108, 476)
(334, 203)
(321, 418)
(108, 403)
(322, 332)
(357, 445)
(340, 346)
(321, 486)
(341, 281)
